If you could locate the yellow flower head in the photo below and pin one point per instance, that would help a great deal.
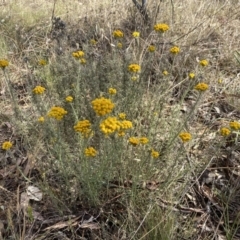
(161, 27)
(3, 63)
(110, 125)
(90, 152)
(165, 73)
(57, 113)
(225, 131)
(122, 116)
(175, 50)
(154, 154)
(41, 119)
(39, 90)
(125, 124)
(102, 106)
(234, 125)
(78, 54)
(134, 78)
(82, 61)
(83, 127)
(121, 133)
(143, 140)
(93, 42)
(112, 91)
(203, 63)
(69, 99)
(118, 34)
(185, 136)
(201, 87)
(42, 62)
(191, 75)
(151, 48)
(119, 45)
(134, 68)
(6, 145)
(136, 34)
(134, 141)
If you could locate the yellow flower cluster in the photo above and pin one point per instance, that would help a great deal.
(83, 61)
(93, 42)
(165, 73)
(185, 136)
(134, 78)
(41, 119)
(203, 63)
(78, 54)
(3, 63)
(57, 113)
(143, 140)
(175, 50)
(135, 141)
(119, 45)
(39, 90)
(201, 87)
(42, 62)
(112, 91)
(83, 127)
(110, 125)
(69, 99)
(134, 68)
(154, 154)
(6, 145)
(90, 152)
(151, 48)
(125, 124)
(234, 125)
(161, 27)
(225, 131)
(121, 133)
(118, 34)
(191, 75)
(102, 106)
(136, 34)
(122, 116)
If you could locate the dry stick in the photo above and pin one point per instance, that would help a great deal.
(142, 9)
(144, 3)
(172, 11)
(149, 210)
(157, 12)
(237, 56)
(53, 13)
